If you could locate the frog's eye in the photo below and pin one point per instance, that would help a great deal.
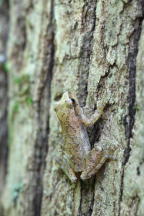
(73, 100)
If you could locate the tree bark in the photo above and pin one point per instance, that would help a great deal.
(94, 48)
(3, 98)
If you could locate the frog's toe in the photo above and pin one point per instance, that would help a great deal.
(84, 176)
(73, 179)
(110, 157)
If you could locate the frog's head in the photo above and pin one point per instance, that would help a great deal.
(64, 106)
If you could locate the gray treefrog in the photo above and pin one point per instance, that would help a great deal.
(78, 161)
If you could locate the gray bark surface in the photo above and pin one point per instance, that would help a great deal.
(94, 48)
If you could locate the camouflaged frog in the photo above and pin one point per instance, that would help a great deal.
(78, 161)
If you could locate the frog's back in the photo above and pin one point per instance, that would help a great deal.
(77, 146)
(76, 141)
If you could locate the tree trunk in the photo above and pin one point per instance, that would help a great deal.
(3, 98)
(93, 48)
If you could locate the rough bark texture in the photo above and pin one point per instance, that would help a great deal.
(94, 48)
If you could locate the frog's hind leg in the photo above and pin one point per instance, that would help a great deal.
(65, 166)
(95, 160)
(92, 170)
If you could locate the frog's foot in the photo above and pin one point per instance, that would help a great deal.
(111, 157)
(65, 167)
(73, 179)
(70, 174)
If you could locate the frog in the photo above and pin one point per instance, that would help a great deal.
(79, 161)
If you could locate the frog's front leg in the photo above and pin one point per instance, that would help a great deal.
(93, 162)
(94, 118)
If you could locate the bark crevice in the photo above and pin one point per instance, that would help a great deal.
(88, 24)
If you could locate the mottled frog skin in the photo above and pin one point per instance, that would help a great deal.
(78, 161)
